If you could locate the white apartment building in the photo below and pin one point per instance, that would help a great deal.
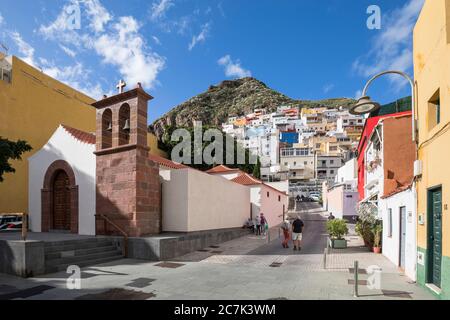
(347, 120)
(298, 162)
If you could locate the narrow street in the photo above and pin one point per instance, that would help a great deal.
(249, 267)
(314, 233)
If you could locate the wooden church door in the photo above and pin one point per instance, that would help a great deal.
(61, 202)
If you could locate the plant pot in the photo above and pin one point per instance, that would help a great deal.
(338, 243)
(377, 250)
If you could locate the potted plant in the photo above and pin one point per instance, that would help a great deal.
(367, 219)
(337, 229)
(377, 233)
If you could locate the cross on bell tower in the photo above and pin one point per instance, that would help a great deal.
(121, 85)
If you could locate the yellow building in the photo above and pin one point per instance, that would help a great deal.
(432, 76)
(32, 105)
(312, 111)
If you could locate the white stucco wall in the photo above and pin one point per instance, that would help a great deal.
(391, 245)
(196, 201)
(348, 172)
(255, 198)
(80, 156)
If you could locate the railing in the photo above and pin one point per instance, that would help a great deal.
(24, 222)
(124, 234)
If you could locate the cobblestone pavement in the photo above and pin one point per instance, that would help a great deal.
(246, 268)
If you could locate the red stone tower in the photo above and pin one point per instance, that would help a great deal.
(128, 187)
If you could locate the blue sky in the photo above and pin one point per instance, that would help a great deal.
(306, 49)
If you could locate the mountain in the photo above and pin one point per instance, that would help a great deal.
(234, 97)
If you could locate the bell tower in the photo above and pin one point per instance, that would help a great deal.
(128, 191)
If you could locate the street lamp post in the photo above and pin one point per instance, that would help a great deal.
(366, 105)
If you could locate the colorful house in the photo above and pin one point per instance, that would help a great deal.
(432, 76)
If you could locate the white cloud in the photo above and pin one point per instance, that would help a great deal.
(392, 47)
(26, 51)
(201, 37)
(125, 49)
(1, 19)
(233, 68)
(117, 41)
(68, 51)
(160, 8)
(98, 15)
(75, 76)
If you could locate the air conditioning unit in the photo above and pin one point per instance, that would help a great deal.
(418, 168)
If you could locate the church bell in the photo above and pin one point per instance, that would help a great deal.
(126, 127)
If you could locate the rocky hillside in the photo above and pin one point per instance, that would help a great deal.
(233, 97)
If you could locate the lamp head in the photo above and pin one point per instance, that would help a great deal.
(364, 105)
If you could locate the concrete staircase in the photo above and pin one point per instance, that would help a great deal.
(83, 252)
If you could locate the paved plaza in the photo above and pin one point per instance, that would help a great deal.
(249, 267)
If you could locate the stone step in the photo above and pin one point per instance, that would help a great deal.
(63, 267)
(79, 252)
(77, 260)
(74, 241)
(74, 245)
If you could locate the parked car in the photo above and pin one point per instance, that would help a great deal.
(315, 197)
(10, 223)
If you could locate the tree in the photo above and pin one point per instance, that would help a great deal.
(10, 150)
(168, 145)
(257, 170)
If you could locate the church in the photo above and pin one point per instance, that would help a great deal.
(107, 183)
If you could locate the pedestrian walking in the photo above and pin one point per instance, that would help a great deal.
(297, 231)
(285, 227)
(257, 225)
(263, 223)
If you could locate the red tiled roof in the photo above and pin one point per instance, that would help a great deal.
(246, 180)
(221, 169)
(82, 136)
(398, 190)
(166, 162)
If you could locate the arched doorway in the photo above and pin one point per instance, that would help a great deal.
(59, 197)
(61, 201)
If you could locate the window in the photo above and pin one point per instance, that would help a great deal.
(331, 171)
(279, 198)
(434, 111)
(268, 194)
(390, 223)
(331, 161)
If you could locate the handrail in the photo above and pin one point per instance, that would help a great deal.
(24, 222)
(124, 234)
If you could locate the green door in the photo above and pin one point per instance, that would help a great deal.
(435, 237)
